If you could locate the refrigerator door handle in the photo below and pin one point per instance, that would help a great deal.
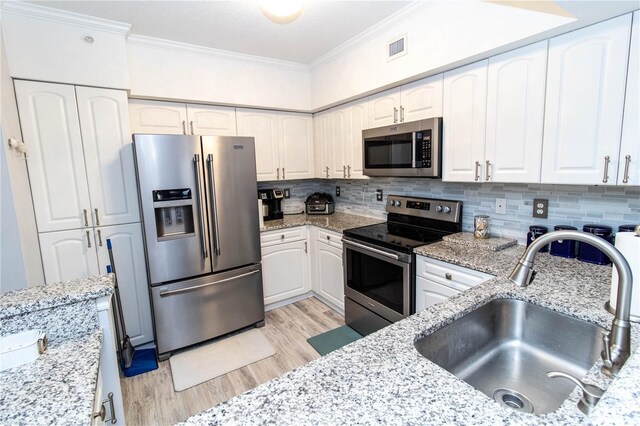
(214, 208)
(182, 290)
(196, 167)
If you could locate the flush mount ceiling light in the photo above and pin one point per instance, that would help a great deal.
(282, 11)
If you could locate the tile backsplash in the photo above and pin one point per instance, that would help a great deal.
(574, 205)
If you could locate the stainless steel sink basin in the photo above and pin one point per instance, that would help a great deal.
(506, 347)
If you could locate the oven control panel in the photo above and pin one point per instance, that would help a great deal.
(447, 210)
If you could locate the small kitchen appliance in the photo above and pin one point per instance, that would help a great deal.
(271, 203)
(564, 248)
(319, 203)
(536, 231)
(590, 254)
(379, 263)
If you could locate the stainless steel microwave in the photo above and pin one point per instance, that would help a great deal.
(406, 149)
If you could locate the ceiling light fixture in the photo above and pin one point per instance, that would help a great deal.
(282, 11)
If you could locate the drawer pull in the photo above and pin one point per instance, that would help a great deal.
(282, 237)
(447, 276)
(328, 237)
(102, 413)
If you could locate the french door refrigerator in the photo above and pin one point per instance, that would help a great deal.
(198, 199)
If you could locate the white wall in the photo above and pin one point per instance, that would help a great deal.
(441, 36)
(177, 71)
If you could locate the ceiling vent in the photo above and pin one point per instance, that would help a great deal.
(397, 47)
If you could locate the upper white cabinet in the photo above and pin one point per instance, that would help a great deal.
(321, 130)
(181, 119)
(414, 101)
(284, 143)
(80, 158)
(585, 97)
(629, 158)
(337, 143)
(357, 121)
(464, 122)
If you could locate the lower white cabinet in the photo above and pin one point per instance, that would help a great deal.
(328, 274)
(285, 264)
(67, 255)
(437, 281)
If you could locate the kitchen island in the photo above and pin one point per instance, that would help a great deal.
(382, 379)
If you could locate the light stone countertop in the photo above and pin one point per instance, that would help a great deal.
(337, 221)
(381, 379)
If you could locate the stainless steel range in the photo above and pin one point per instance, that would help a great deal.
(379, 264)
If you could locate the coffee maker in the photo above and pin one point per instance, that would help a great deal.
(271, 203)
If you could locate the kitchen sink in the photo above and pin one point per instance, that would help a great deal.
(506, 347)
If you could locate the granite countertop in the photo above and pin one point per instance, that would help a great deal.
(58, 388)
(336, 221)
(52, 295)
(381, 379)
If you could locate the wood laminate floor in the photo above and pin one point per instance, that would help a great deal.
(150, 399)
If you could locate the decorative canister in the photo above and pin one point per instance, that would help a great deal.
(627, 228)
(590, 254)
(481, 226)
(534, 232)
(564, 248)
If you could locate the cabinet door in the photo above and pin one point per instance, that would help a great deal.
(429, 293)
(321, 129)
(585, 96)
(515, 114)
(128, 255)
(384, 108)
(329, 274)
(464, 120)
(285, 271)
(263, 126)
(357, 120)
(630, 147)
(108, 154)
(49, 121)
(337, 143)
(212, 120)
(165, 118)
(421, 99)
(68, 255)
(295, 133)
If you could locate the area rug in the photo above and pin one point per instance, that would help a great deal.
(333, 339)
(215, 359)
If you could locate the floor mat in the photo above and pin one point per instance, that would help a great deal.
(333, 339)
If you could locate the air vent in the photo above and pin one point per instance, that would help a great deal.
(397, 47)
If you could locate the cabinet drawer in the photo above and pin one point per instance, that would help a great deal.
(271, 238)
(430, 292)
(329, 237)
(449, 274)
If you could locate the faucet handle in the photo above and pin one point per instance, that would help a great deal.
(590, 394)
(606, 352)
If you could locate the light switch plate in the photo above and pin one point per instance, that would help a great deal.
(337, 191)
(540, 208)
(287, 193)
(501, 205)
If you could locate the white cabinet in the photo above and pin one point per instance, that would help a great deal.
(436, 281)
(328, 282)
(67, 255)
(584, 104)
(321, 131)
(357, 121)
(629, 158)
(337, 142)
(285, 264)
(464, 122)
(414, 101)
(181, 119)
(284, 143)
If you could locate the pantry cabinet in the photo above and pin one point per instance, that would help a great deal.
(328, 282)
(629, 158)
(586, 78)
(181, 119)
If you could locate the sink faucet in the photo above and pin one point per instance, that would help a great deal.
(617, 344)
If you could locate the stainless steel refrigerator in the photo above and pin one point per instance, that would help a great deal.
(198, 199)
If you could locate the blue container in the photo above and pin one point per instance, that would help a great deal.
(590, 254)
(627, 228)
(564, 248)
(536, 231)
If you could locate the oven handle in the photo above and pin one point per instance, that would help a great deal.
(380, 252)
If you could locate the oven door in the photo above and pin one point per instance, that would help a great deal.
(378, 279)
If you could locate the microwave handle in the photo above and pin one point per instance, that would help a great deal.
(413, 150)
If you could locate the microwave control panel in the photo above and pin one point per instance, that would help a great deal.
(423, 148)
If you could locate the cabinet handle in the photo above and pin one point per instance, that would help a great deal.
(486, 171)
(278, 173)
(88, 240)
(102, 413)
(305, 247)
(402, 114)
(86, 218)
(191, 126)
(344, 171)
(627, 160)
(477, 171)
(99, 238)
(395, 115)
(97, 218)
(184, 127)
(605, 178)
(328, 237)
(348, 171)
(112, 407)
(326, 170)
(283, 174)
(282, 237)
(447, 276)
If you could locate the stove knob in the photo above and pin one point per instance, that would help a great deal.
(438, 209)
(447, 209)
(397, 203)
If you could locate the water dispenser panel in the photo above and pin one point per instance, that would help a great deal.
(174, 213)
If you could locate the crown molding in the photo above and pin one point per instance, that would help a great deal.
(400, 16)
(63, 17)
(209, 51)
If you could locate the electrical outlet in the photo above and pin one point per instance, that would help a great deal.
(540, 208)
(337, 191)
(501, 205)
(287, 193)
(379, 194)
